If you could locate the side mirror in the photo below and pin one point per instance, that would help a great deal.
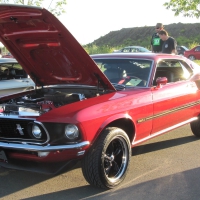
(161, 81)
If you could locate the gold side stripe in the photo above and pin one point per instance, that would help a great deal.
(163, 131)
(168, 112)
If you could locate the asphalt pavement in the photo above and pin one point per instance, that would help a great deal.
(165, 167)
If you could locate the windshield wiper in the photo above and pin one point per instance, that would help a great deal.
(119, 86)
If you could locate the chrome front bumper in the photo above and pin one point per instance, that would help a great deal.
(46, 148)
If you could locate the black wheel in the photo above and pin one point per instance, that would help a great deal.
(195, 127)
(106, 163)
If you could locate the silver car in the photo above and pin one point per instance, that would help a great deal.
(13, 78)
(132, 49)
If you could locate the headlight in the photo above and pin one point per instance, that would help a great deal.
(37, 133)
(71, 131)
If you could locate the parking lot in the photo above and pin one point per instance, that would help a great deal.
(166, 167)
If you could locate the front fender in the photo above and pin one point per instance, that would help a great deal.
(110, 120)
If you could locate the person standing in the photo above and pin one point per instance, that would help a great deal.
(169, 45)
(156, 42)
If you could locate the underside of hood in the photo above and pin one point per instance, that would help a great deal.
(46, 49)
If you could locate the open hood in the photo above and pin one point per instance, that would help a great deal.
(46, 49)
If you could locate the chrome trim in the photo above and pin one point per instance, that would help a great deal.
(47, 133)
(35, 143)
(12, 116)
(80, 153)
(28, 147)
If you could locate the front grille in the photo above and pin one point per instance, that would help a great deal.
(17, 130)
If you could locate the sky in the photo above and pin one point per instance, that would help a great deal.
(88, 20)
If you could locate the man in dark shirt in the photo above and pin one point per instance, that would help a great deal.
(169, 45)
(156, 42)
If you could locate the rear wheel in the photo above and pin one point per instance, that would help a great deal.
(106, 163)
(192, 57)
(195, 127)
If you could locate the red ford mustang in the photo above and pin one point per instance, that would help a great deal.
(89, 108)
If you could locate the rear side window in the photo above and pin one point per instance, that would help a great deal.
(174, 70)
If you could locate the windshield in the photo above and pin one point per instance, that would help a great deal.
(128, 72)
(185, 48)
(142, 49)
(11, 71)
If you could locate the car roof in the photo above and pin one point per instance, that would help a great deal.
(152, 56)
(8, 60)
(133, 47)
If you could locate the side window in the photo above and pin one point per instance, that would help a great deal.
(194, 67)
(19, 72)
(173, 70)
(197, 49)
(4, 71)
(126, 50)
(11, 71)
(133, 50)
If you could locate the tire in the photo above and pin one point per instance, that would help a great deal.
(106, 163)
(195, 127)
(191, 57)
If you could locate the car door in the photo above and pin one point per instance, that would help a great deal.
(173, 103)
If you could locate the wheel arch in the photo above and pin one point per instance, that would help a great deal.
(124, 122)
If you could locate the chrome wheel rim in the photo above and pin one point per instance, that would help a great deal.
(116, 159)
(191, 58)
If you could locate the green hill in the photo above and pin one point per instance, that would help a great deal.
(184, 34)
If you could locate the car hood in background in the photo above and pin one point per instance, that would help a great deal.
(46, 49)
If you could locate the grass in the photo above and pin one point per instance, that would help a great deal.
(94, 49)
(197, 61)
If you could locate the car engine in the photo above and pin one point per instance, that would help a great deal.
(40, 102)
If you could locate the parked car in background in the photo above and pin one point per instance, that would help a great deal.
(13, 78)
(92, 109)
(181, 49)
(132, 49)
(193, 54)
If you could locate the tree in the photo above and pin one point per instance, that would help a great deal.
(56, 7)
(189, 8)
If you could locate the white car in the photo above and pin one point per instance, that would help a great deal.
(13, 78)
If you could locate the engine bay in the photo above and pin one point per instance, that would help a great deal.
(42, 101)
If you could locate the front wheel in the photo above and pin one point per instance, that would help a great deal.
(106, 163)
